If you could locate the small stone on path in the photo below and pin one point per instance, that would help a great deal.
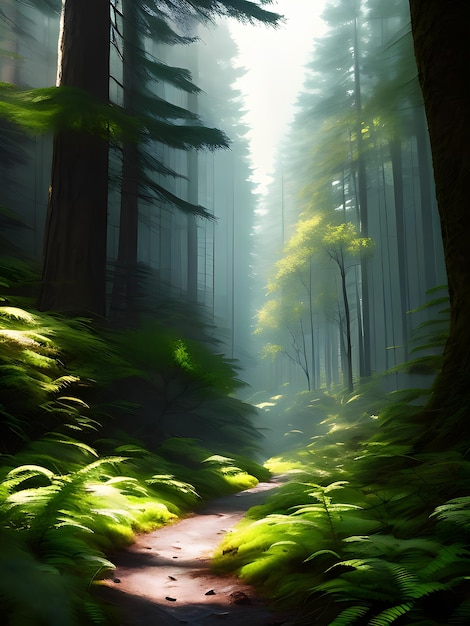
(240, 597)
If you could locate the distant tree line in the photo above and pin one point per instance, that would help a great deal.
(356, 167)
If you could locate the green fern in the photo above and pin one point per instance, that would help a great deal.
(95, 610)
(455, 512)
(391, 615)
(350, 615)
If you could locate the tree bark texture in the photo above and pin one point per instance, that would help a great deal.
(440, 34)
(74, 270)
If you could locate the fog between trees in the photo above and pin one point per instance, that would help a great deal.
(142, 280)
(357, 153)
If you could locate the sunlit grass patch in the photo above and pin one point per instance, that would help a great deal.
(239, 481)
(151, 515)
(269, 551)
(212, 482)
(283, 465)
(109, 535)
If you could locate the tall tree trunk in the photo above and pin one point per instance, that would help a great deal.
(440, 32)
(315, 372)
(397, 169)
(305, 366)
(123, 302)
(74, 269)
(347, 322)
(192, 232)
(363, 211)
(328, 359)
(342, 348)
(426, 200)
(193, 197)
(9, 42)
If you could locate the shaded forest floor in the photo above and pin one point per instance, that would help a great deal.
(165, 577)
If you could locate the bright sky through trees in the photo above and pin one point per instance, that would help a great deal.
(275, 60)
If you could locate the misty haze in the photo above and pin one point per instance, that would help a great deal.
(234, 312)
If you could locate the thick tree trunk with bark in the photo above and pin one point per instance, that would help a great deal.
(440, 33)
(74, 270)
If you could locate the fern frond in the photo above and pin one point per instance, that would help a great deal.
(448, 561)
(319, 553)
(65, 520)
(288, 520)
(456, 511)
(54, 386)
(125, 484)
(73, 401)
(350, 615)
(116, 515)
(356, 590)
(391, 615)
(168, 481)
(332, 508)
(63, 440)
(22, 473)
(95, 611)
(105, 460)
(14, 313)
(412, 585)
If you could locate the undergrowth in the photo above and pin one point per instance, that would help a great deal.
(74, 484)
(371, 529)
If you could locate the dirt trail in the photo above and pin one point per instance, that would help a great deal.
(164, 579)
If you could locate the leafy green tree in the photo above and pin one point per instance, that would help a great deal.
(282, 320)
(293, 284)
(301, 296)
(341, 244)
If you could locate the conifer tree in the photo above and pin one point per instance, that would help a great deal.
(74, 271)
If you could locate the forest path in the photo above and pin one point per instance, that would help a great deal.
(164, 578)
